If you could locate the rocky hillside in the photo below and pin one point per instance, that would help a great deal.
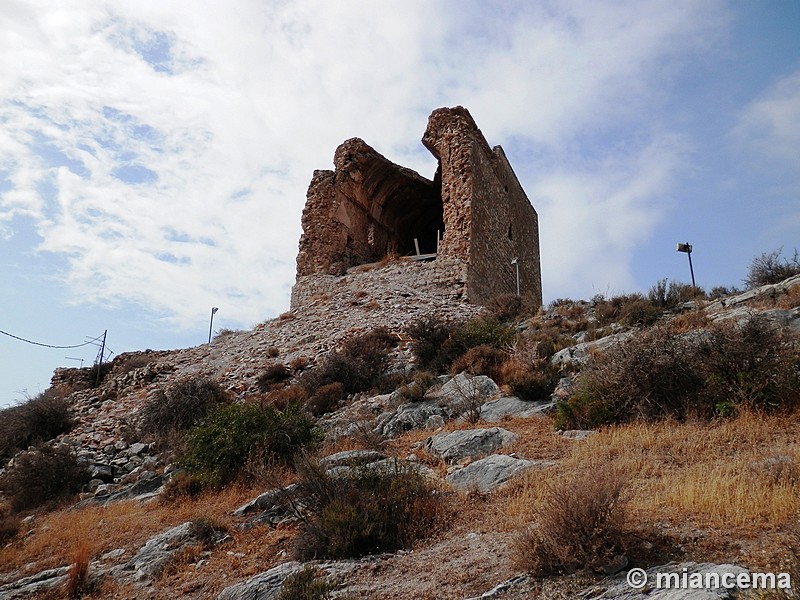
(489, 426)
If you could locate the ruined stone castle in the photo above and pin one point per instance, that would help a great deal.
(471, 232)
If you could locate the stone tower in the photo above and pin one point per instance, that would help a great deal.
(471, 221)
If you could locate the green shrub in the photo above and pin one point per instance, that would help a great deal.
(366, 511)
(37, 420)
(306, 585)
(43, 476)
(220, 446)
(770, 267)
(182, 405)
(477, 332)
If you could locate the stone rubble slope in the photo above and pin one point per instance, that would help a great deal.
(356, 303)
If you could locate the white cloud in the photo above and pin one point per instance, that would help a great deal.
(165, 148)
(769, 127)
(592, 217)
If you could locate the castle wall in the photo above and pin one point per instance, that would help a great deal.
(370, 208)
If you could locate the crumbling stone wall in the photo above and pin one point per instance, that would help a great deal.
(369, 208)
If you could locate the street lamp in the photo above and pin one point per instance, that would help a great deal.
(214, 309)
(687, 248)
(515, 262)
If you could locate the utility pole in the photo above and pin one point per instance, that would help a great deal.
(214, 309)
(100, 356)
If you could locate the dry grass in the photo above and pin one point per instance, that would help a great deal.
(734, 479)
(77, 579)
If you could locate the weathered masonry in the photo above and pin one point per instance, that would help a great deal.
(471, 221)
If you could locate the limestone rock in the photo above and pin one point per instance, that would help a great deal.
(510, 406)
(469, 443)
(579, 353)
(467, 389)
(619, 589)
(35, 584)
(488, 473)
(413, 415)
(351, 458)
(264, 586)
(158, 551)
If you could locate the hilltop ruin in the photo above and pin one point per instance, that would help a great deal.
(467, 225)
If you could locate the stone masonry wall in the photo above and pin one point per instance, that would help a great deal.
(369, 208)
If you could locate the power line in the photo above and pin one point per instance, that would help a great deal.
(21, 339)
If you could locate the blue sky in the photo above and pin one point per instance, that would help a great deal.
(154, 156)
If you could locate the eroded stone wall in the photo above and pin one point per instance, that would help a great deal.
(369, 208)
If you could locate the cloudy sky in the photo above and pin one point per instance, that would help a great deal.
(154, 156)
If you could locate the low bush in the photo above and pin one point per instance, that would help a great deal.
(180, 406)
(702, 374)
(748, 365)
(437, 344)
(43, 476)
(9, 527)
(650, 375)
(533, 381)
(273, 374)
(306, 584)
(670, 294)
(481, 360)
(326, 399)
(579, 525)
(505, 307)
(220, 446)
(180, 487)
(358, 365)
(416, 389)
(37, 420)
(283, 397)
(365, 511)
(771, 267)
(208, 531)
(428, 336)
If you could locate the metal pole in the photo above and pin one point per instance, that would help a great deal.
(515, 262)
(691, 269)
(100, 359)
(211, 324)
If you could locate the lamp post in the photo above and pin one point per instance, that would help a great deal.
(515, 262)
(687, 248)
(214, 309)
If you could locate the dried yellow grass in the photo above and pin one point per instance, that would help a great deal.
(736, 473)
